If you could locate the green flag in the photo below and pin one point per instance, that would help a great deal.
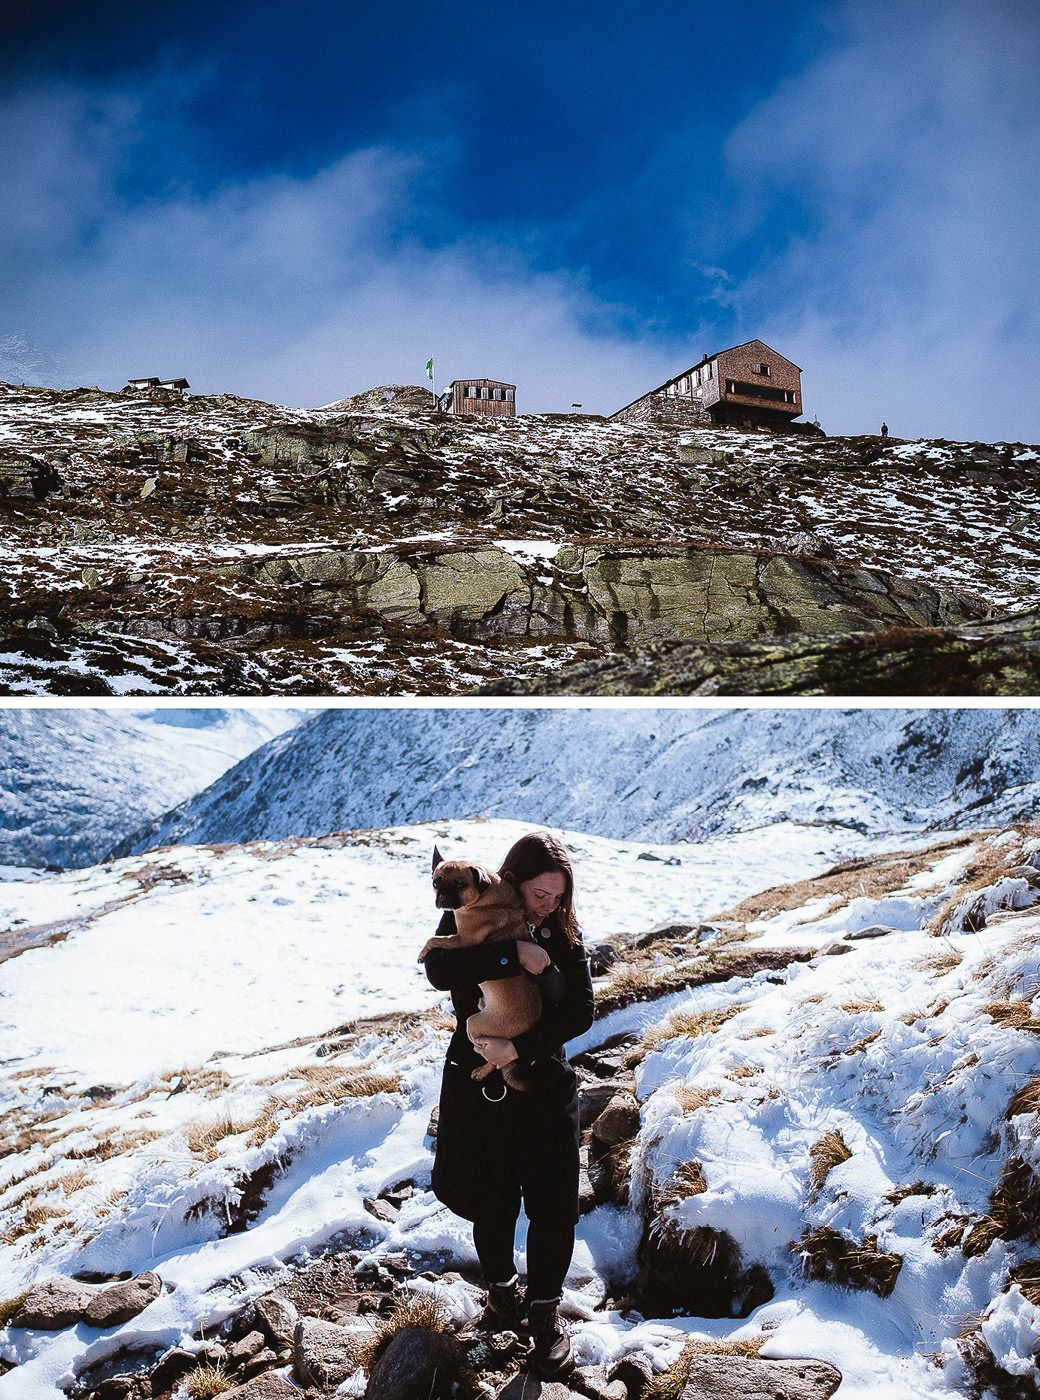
(429, 370)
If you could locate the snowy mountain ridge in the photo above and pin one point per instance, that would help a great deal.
(652, 775)
(73, 781)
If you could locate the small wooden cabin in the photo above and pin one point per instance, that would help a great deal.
(748, 385)
(177, 386)
(479, 398)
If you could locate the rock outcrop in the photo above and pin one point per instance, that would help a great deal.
(997, 657)
(592, 593)
(193, 545)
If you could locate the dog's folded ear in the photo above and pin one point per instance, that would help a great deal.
(479, 878)
(437, 858)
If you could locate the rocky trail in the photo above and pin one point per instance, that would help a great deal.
(154, 544)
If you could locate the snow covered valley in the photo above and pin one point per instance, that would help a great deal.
(811, 1095)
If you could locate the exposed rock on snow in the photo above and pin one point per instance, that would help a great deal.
(122, 1301)
(750, 1378)
(53, 1304)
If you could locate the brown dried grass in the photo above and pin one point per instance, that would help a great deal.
(209, 1379)
(420, 1310)
(687, 1180)
(688, 1024)
(858, 1046)
(990, 862)
(690, 1099)
(1025, 1100)
(940, 963)
(830, 1257)
(1014, 1210)
(33, 1221)
(826, 1153)
(10, 1306)
(869, 876)
(1014, 1015)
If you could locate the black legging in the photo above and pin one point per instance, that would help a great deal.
(550, 1244)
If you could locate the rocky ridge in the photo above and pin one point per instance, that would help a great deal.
(216, 545)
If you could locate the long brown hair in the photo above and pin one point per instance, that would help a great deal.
(541, 854)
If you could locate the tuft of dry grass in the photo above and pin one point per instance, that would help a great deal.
(855, 1008)
(32, 1221)
(1027, 1276)
(690, 1024)
(207, 1380)
(671, 1384)
(198, 1079)
(690, 1099)
(73, 1181)
(1025, 1100)
(10, 1306)
(110, 1145)
(859, 1045)
(687, 1180)
(940, 963)
(1014, 1209)
(825, 1154)
(916, 1188)
(420, 1310)
(830, 1257)
(202, 1137)
(1014, 1015)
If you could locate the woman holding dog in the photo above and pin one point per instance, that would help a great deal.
(495, 1146)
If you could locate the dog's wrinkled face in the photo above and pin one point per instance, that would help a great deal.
(456, 884)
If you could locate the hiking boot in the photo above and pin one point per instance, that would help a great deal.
(551, 1346)
(504, 1310)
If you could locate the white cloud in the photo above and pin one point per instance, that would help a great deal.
(913, 293)
(296, 289)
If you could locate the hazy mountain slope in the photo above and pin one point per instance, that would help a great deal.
(657, 775)
(73, 781)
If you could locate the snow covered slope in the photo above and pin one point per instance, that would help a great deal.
(862, 1128)
(655, 775)
(341, 917)
(73, 781)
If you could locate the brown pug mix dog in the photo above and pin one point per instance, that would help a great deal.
(487, 909)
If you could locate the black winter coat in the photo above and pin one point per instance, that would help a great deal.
(489, 1154)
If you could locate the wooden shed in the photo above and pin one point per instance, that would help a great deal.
(479, 398)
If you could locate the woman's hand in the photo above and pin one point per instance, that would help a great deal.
(495, 1050)
(533, 959)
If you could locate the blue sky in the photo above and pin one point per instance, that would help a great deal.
(296, 203)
